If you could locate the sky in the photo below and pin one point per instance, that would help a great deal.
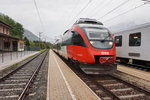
(59, 15)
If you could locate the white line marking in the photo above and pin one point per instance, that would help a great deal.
(66, 82)
(48, 83)
(83, 83)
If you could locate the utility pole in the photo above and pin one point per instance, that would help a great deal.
(45, 44)
(40, 39)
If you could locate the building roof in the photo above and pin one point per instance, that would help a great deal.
(5, 24)
(8, 36)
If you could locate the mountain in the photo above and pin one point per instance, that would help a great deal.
(1, 13)
(30, 35)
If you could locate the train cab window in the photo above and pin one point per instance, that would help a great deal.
(99, 38)
(135, 39)
(118, 41)
(77, 39)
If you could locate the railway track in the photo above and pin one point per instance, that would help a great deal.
(15, 85)
(109, 87)
(119, 89)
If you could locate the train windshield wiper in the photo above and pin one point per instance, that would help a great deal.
(105, 38)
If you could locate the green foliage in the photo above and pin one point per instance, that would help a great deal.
(16, 30)
(35, 44)
(49, 45)
(26, 41)
(31, 43)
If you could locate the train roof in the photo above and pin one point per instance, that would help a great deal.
(145, 25)
(91, 25)
(65, 32)
(87, 21)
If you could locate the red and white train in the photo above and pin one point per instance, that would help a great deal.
(89, 44)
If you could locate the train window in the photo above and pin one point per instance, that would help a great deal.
(77, 39)
(97, 33)
(135, 39)
(118, 41)
(66, 40)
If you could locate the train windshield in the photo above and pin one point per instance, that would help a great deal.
(99, 37)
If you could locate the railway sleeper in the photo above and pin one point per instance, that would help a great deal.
(107, 98)
(22, 74)
(12, 84)
(120, 90)
(116, 84)
(19, 77)
(103, 81)
(10, 93)
(92, 86)
(10, 89)
(127, 92)
(9, 97)
(132, 96)
(16, 80)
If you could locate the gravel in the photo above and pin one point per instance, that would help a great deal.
(39, 90)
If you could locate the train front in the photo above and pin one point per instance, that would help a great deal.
(99, 54)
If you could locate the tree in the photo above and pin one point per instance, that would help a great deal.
(17, 29)
(26, 41)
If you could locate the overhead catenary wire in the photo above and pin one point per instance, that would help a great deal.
(38, 14)
(125, 12)
(120, 5)
(81, 11)
(76, 5)
(97, 8)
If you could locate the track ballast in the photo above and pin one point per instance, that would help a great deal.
(15, 85)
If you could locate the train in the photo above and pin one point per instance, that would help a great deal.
(88, 44)
(132, 45)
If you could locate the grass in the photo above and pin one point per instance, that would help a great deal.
(42, 50)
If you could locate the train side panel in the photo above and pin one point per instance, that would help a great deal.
(135, 52)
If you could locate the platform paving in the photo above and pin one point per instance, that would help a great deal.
(64, 84)
(135, 72)
(9, 62)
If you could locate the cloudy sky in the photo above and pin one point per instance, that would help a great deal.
(59, 15)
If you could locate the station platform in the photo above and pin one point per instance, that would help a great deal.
(9, 62)
(134, 72)
(64, 84)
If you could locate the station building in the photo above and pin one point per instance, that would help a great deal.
(7, 42)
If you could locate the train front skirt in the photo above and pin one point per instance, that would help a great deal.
(98, 68)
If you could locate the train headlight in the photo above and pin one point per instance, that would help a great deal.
(110, 43)
(91, 42)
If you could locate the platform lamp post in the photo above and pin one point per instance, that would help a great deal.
(3, 50)
(45, 44)
(40, 39)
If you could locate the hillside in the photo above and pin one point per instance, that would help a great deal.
(30, 35)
